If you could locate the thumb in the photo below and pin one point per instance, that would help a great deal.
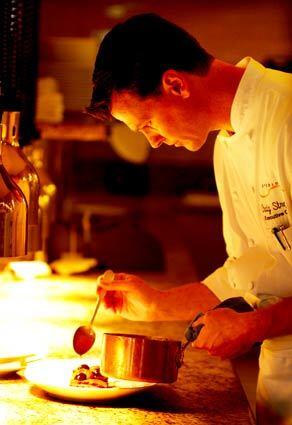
(199, 321)
(117, 285)
(100, 292)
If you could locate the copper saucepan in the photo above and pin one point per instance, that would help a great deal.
(140, 358)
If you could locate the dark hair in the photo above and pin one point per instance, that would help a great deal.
(135, 54)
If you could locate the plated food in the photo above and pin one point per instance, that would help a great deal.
(86, 375)
(55, 375)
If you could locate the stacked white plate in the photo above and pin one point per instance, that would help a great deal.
(12, 362)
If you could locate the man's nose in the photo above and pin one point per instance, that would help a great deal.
(155, 142)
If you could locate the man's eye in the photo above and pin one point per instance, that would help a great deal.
(147, 126)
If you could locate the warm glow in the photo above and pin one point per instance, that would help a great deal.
(29, 269)
(6, 413)
(71, 263)
(40, 315)
(44, 201)
(50, 189)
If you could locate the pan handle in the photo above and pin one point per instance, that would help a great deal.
(191, 334)
(237, 304)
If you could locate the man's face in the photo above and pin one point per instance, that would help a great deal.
(164, 118)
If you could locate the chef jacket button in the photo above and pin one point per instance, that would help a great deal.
(235, 196)
(253, 189)
(251, 242)
(250, 285)
(233, 283)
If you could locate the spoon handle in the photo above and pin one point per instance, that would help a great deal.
(109, 277)
(101, 297)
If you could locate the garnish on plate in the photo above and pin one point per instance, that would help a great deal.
(85, 375)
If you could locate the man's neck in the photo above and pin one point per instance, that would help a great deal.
(224, 80)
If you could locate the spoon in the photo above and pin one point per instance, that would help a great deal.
(84, 336)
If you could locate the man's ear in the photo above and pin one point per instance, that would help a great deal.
(173, 82)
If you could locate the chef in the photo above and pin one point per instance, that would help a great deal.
(157, 79)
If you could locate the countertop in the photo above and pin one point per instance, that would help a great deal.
(45, 313)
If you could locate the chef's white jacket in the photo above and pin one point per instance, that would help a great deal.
(253, 170)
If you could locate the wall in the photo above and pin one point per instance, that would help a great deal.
(230, 30)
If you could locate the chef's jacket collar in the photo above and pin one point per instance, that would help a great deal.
(245, 94)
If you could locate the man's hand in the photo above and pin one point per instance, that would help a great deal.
(130, 297)
(227, 334)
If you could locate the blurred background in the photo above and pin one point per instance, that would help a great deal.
(70, 31)
(146, 209)
(108, 198)
(117, 201)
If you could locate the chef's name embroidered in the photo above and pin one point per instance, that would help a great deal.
(269, 209)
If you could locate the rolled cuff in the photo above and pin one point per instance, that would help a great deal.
(218, 283)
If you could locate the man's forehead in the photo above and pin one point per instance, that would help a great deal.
(128, 108)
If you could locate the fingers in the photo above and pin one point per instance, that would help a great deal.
(109, 275)
(121, 282)
(111, 290)
(217, 346)
(100, 292)
(113, 300)
(200, 321)
(116, 285)
(121, 276)
(202, 340)
(126, 276)
(226, 353)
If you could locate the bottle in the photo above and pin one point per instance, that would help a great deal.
(47, 198)
(22, 173)
(13, 215)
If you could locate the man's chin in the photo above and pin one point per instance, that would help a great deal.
(190, 145)
(187, 145)
(193, 146)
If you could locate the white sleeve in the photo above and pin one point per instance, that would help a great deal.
(254, 270)
(219, 284)
(219, 281)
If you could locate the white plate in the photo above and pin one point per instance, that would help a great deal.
(53, 376)
(12, 363)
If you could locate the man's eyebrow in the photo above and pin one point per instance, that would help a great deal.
(136, 128)
(130, 126)
(140, 126)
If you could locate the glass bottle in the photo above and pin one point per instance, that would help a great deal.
(13, 215)
(36, 153)
(22, 173)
